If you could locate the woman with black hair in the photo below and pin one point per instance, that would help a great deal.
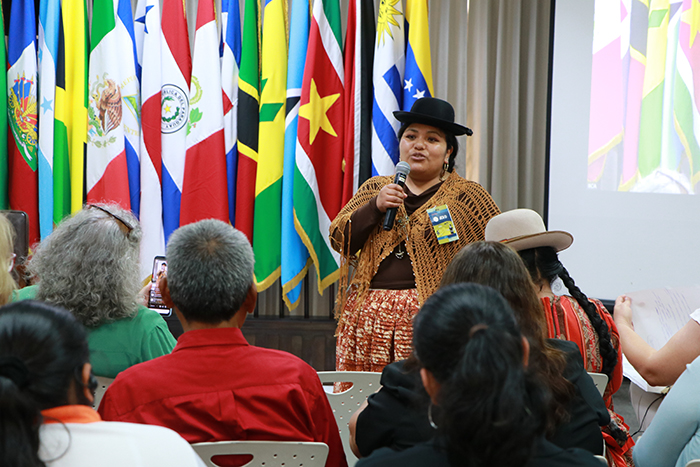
(393, 271)
(572, 317)
(46, 393)
(475, 367)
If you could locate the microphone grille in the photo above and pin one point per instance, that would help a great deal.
(403, 168)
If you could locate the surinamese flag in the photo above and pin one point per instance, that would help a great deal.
(106, 173)
(22, 111)
(295, 256)
(418, 77)
(230, 64)
(388, 73)
(49, 17)
(318, 177)
(151, 207)
(248, 108)
(176, 71)
(204, 191)
(267, 241)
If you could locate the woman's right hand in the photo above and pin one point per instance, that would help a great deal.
(390, 196)
(622, 313)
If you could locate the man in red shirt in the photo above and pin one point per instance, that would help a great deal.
(214, 386)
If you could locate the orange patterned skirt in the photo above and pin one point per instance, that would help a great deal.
(377, 331)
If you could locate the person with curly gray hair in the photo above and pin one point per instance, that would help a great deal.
(89, 265)
(215, 386)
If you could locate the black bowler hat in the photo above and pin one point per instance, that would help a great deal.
(434, 112)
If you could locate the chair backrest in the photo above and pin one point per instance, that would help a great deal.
(693, 463)
(102, 385)
(346, 403)
(266, 453)
(600, 380)
(602, 459)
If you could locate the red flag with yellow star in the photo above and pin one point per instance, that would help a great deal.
(318, 177)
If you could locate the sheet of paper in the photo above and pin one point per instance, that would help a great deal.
(657, 315)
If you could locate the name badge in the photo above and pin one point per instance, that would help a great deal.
(442, 224)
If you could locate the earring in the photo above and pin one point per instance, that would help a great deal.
(430, 416)
(443, 175)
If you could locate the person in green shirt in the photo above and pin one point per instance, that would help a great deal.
(89, 265)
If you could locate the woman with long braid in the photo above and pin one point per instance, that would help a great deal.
(572, 317)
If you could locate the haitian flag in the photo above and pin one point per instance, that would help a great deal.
(22, 113)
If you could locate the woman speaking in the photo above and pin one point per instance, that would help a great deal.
(394, 271)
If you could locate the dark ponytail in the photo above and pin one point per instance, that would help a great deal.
(492, 408)
(543, 264)
(41, 349)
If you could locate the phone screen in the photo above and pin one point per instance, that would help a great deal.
(155, 299)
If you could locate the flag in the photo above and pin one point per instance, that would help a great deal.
(295, 256)
(204, 192)
(71, 115)
(230, 64)
(388, 73)
(49, 17)
(686, 98)
(131, 99)
(267, 234)
(418, 78)
(650, 125)
(606, 108)
(359, 53)
(176, 70)
(318, 176)
(106, 172)
(151, 207)
(4, 203)
(248, 108)
(636, 22)
(22, 113)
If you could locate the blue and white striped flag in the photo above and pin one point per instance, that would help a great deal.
(295, 256)
(389, 62)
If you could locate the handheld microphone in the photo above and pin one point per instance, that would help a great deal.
(402, 171)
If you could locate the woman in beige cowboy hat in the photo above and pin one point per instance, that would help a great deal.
(572, 317)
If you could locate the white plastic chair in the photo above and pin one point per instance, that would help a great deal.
(693, 463)
(600, 380)
(266, 453)
(346, 403)
(102, 385)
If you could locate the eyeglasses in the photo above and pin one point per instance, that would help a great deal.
(129, 228)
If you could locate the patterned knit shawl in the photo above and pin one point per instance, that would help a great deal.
(471, 208)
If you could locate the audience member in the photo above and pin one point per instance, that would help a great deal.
(46, 392)
(658, 367)
(673, 437)
(7, 260)
(214, 386)
(572, 317)
(475, 365)
(578, 411)
(89, 265)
